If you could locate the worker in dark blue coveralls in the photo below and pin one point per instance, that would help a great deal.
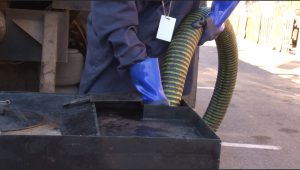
(123, 53)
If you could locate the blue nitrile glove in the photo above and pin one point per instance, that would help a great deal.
(146, 78)
(214, 22)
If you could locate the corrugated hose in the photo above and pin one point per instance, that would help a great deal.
(177, 61)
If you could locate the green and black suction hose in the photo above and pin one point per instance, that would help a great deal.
(177, 61)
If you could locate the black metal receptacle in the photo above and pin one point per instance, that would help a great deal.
(124, 135)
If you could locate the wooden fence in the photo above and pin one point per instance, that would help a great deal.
(272, 30)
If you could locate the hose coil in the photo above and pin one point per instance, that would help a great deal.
(177, 60)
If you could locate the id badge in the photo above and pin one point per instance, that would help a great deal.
(166, 28)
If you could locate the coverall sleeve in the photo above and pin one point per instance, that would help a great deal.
(116, 22)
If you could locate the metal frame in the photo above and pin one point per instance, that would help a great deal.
(108, 150)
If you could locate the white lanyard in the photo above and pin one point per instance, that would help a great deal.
(164, 9)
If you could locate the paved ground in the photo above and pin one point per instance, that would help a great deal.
(265, 108)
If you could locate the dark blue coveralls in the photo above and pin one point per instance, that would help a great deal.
(122, 33)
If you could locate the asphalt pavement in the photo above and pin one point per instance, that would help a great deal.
(261, 129)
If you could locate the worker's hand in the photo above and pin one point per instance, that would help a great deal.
(213, 24)
(146, 78)
(211, 30)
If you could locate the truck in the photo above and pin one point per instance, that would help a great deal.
(46, 124)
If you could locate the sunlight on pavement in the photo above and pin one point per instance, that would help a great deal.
(284, 65)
